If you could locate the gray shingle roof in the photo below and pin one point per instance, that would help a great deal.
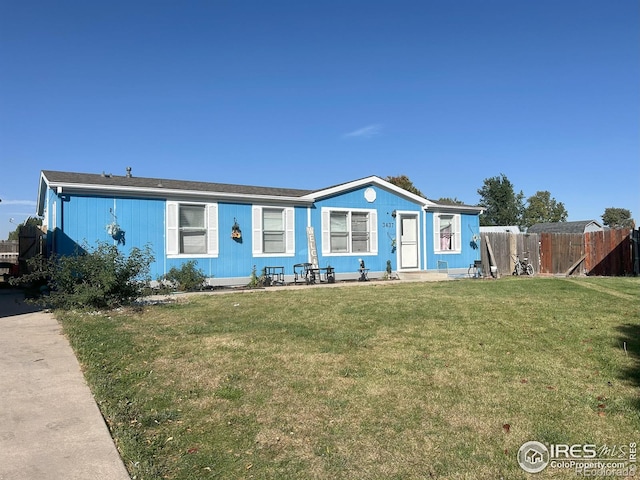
(560, 227)
(107, 180)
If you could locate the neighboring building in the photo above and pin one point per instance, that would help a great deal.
(582, 226)
(498, 229)
(228, 229)
(9, 251)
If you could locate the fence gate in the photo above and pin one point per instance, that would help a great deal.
(559, 251)
(30, 244)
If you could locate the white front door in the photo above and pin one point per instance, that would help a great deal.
(408, 241)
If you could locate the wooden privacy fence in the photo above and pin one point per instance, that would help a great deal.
(505, 246)
(608, 252)
(560, 251)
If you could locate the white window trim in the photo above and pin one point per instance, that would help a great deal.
(326, 233)
(457, 231)
(172, 230)
(289, 231)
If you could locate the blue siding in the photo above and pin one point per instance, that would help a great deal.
(385, 203)
(235, 259)
(470, 226)
(84, 221)
(53, 213)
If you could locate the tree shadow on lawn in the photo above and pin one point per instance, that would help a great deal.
(630, 342)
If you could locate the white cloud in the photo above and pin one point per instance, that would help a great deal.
(365, 132)
(28, 203)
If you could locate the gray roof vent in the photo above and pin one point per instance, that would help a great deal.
(129, 172)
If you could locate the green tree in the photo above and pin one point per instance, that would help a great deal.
(450, 201)
(542, 208)
(403, 181)
(29, 222)
(618, 218)
(502, 205)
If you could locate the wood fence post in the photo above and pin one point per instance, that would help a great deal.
(635, 245)
(492, 260)
(513, 246)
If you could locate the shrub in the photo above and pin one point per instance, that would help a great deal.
(256, 281)
(100, 278)
(187, 277)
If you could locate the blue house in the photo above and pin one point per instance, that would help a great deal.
(229, 229)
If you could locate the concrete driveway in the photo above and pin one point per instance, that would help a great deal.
(50, 425)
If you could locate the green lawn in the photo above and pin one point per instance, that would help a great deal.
(374, 381)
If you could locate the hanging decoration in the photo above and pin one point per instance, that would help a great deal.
(236, 233)
(114, 229)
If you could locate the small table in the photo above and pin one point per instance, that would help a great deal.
(301, 270)
(312, 275)
(329, 274)
(273, 276)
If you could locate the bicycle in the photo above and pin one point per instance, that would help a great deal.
(522, 267)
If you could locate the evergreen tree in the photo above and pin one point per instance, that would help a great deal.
(502, 205)
(618, 218)
(450, 201)
(403, 181)
(542, 208)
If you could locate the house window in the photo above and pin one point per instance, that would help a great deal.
(447, 233)
(339, 231)
(273, 231)
(192, 229)
(359, 232)
(349, 231)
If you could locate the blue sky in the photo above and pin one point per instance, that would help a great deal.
(312, 94)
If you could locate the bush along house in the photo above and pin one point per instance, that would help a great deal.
(230, 229)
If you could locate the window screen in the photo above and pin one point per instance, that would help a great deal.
(339, 232)
(273, 230)
(193, 233)
(446, 232)
(359, 232)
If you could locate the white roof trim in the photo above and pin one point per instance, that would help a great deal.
(42, 192)
(457, 208)
(327, 192)
(174, 193)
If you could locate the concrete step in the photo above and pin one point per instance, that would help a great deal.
(422, 276)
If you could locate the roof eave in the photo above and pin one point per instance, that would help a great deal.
(161, 192)
(457, 208)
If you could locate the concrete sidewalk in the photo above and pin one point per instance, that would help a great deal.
(50, 425)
